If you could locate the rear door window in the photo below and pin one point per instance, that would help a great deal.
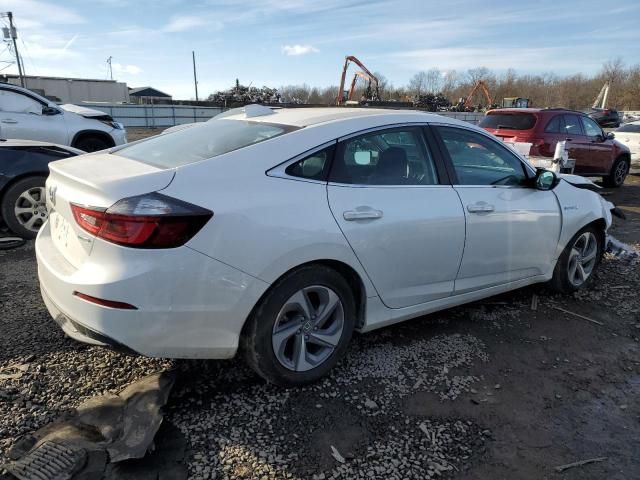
(205, 140)
(509, 121)
(396, 156)
(572, 125)
(555, 125)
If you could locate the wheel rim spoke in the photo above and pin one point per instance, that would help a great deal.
(22, 210)
(326, 309)
(281, 337)
(325, 339)
(300, 354)
(301, 300)
(30, 224)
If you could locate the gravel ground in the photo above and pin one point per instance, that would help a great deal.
(489, 390)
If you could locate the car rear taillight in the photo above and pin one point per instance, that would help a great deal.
(146, 221)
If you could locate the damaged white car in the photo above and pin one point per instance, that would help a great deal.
(28, 116)
(277, 233)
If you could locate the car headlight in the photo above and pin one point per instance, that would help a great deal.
(111, 123)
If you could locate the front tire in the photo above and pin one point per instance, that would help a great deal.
(24, 208)
(578, 261)
(619, 172)
(301, 328)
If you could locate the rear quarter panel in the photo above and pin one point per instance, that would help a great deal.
(262, 225)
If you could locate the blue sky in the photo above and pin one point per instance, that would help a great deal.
(281, 42)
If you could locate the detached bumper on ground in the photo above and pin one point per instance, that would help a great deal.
(172, 319)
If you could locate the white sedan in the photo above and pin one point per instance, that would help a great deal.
(277, 233)
(629, 135)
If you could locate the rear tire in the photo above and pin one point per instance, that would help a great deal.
(24, 207)
(619, 172)
(301, 328)
(578, 261)
(92, 144)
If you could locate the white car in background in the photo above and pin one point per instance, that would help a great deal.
(629, 135)
(278, 233)
(28, 116)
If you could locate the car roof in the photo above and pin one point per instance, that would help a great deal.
(304, 117)
(549, 111)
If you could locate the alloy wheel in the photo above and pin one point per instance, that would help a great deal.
(582, 258)
(308, 328)
(620, 173)
(31, 208)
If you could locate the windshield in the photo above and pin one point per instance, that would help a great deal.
(511, 121)
(202, 141)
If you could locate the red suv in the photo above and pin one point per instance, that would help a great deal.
(596, 154)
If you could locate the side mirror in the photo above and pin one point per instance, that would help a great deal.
(46, 110)
(610, 136)
(545, 180)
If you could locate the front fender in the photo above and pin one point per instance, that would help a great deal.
(579, 207)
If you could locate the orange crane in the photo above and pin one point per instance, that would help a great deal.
(480, 84)
(365, 73)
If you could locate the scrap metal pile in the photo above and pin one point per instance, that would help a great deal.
(241, 95)
(432, 102)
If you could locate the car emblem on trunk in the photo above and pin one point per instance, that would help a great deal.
(52, 194)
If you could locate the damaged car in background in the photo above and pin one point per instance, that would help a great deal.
(278, 233)
(24, 166)
(29, 116)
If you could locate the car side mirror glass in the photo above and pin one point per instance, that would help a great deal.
(610, 136)
(545, 180)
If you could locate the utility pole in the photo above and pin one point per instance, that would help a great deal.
(195, 77)
(110, 70)
(13, 34)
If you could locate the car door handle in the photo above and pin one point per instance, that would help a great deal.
(368, 214)
(480, 208)
(568, 139)
(9, 120)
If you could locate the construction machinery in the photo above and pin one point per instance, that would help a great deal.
(601, 99)
(515, 102)
(372, 91)
(465, 104)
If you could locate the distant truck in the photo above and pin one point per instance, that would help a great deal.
(515, 102)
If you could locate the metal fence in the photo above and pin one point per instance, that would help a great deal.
(151, 116)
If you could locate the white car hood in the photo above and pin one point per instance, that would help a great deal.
(577, 180)
(84, 111)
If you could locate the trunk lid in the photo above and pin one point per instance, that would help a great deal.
(96, 180)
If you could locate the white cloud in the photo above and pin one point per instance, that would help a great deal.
(31, 13)
(295, 50)
(184, 23)
(130, 69)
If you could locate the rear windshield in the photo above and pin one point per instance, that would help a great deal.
(511, 121)
(630, 127)
(201, 141)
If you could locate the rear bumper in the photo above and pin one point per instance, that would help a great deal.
(188, 305)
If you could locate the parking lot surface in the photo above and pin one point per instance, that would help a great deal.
(490, 390)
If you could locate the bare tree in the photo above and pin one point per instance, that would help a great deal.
(418, 83)
(434, 80)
